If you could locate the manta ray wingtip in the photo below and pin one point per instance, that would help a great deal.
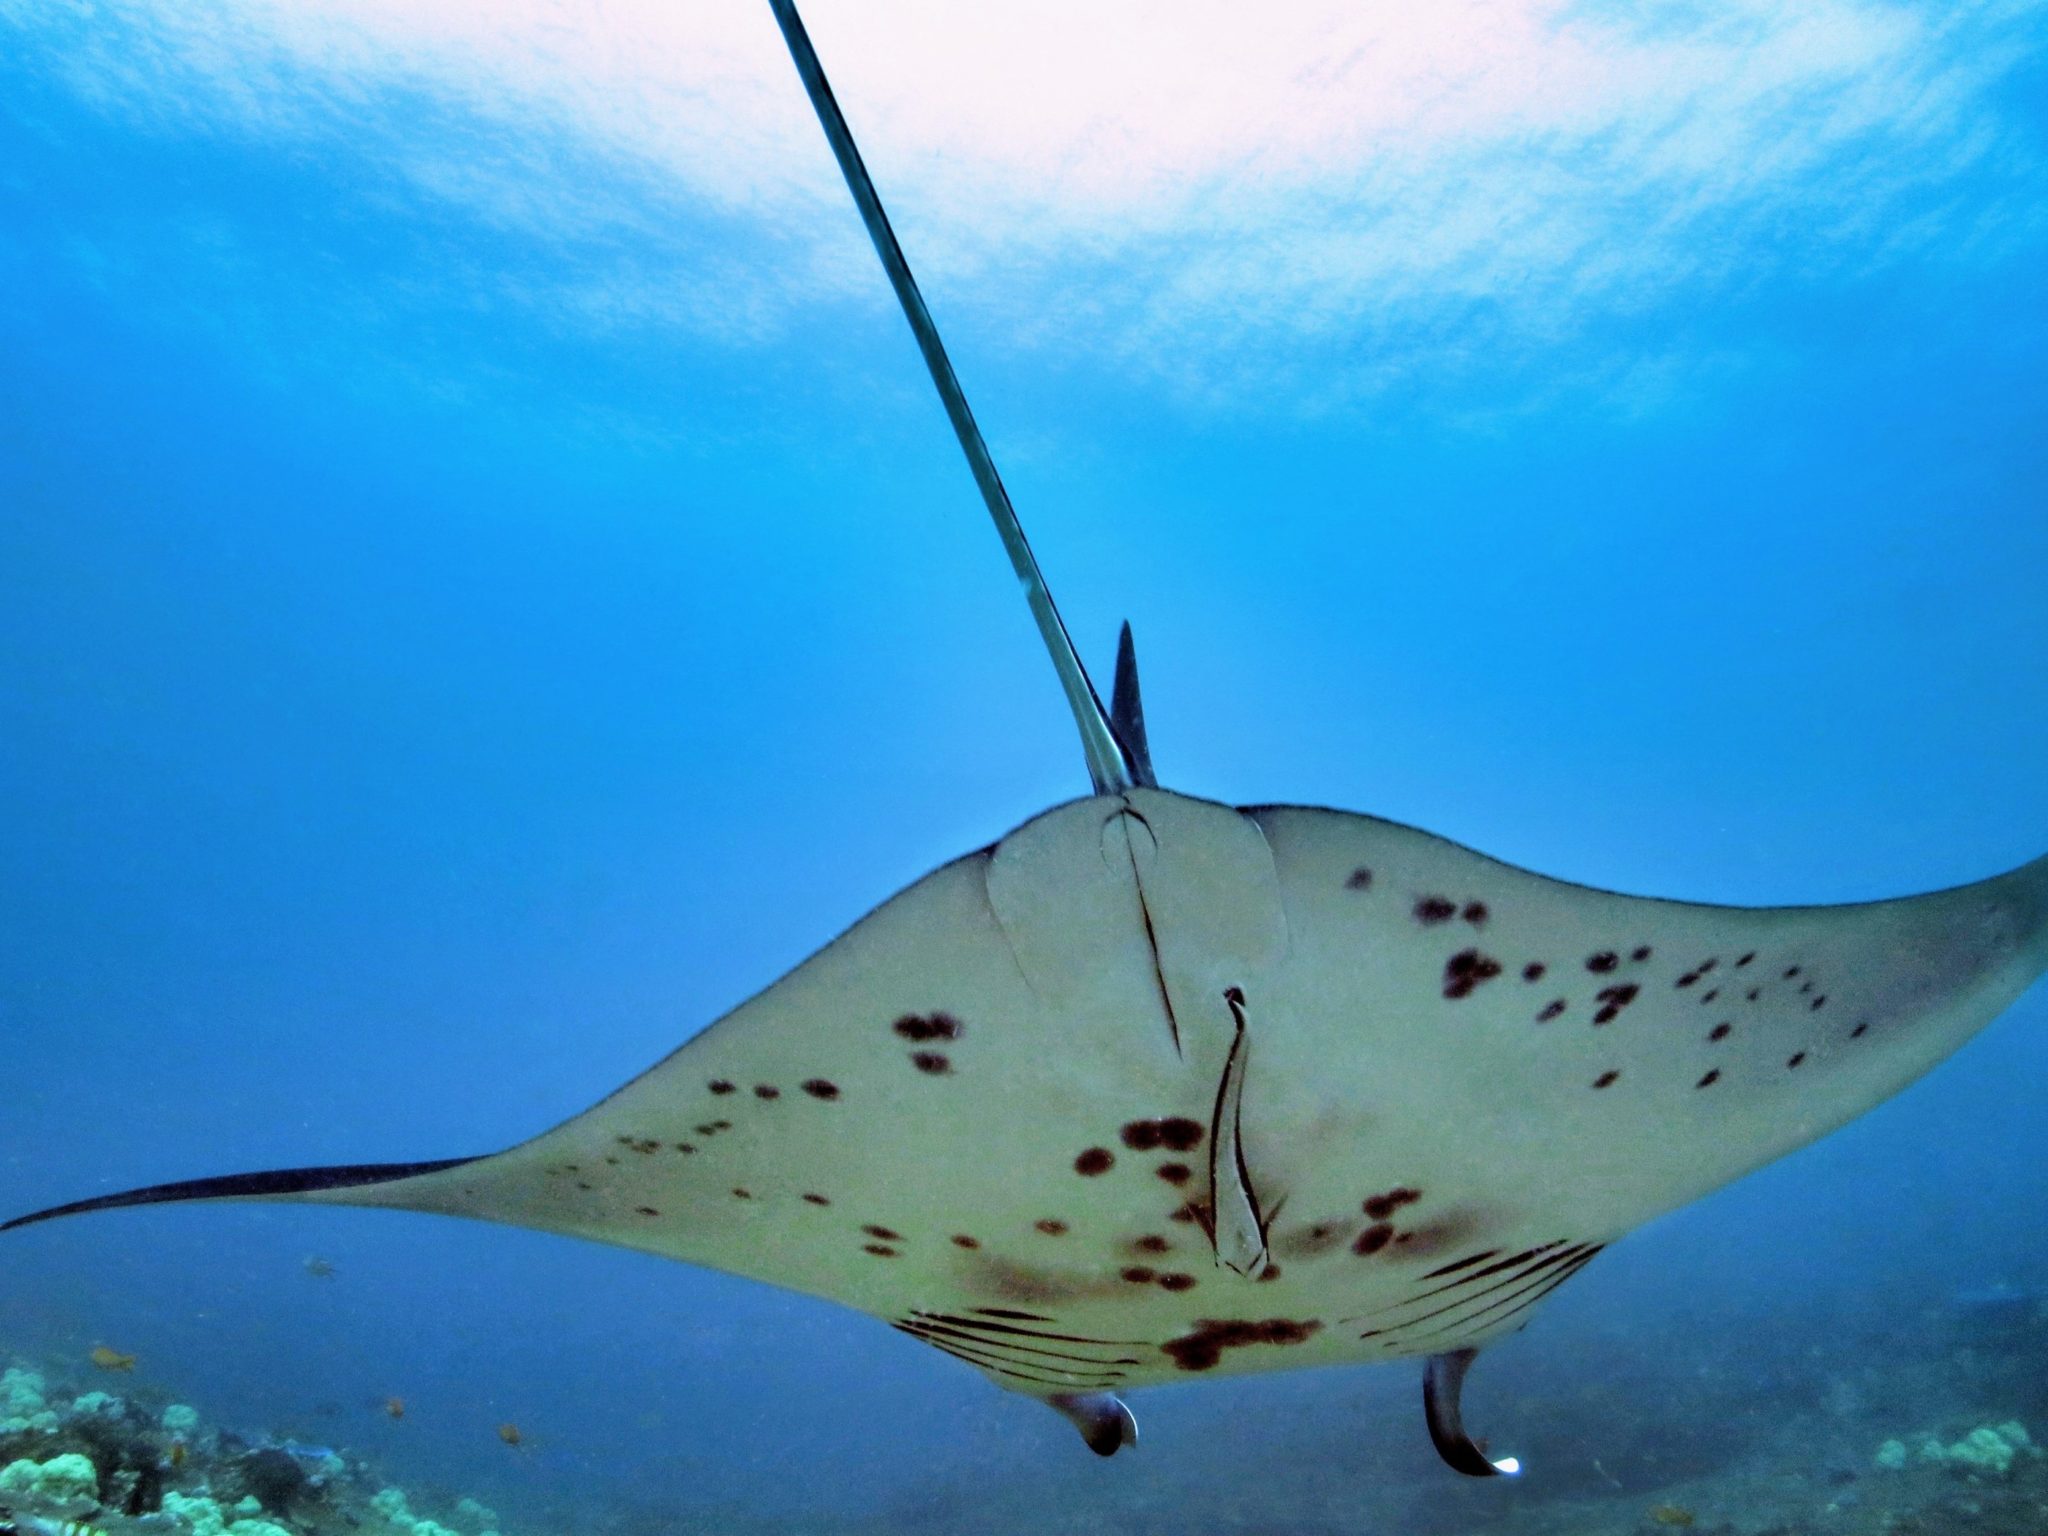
(1443, 1379)
(271, 1184)
(1105, 1423)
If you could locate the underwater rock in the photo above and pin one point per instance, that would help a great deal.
(273, 1477)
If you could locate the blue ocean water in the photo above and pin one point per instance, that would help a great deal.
(454, 646)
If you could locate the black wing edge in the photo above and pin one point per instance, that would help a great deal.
(245, 1186)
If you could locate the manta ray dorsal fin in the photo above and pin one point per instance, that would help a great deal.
(1110, 763)
(1127, 710)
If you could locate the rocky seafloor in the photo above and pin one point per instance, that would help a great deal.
(1937, 1445)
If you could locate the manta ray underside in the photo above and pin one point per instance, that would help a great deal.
(1155, 1088)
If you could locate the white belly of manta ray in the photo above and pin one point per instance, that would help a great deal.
(1156, 1088)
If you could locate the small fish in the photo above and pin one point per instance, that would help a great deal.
(394, 1407)
(1670, 1514)
(174, 1458)
(509, 1433)
(110, 1359)
(317, 1267)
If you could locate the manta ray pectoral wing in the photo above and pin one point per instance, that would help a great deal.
(1539, 1062)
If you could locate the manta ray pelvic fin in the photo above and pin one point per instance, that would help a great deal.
(1443, 1379)
(1105, 1423)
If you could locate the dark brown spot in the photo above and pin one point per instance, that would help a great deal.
(685, 1147)
(1710, 994)
(767, 1091)
(1613, 1000)
(646, 1210)
(1361, 880)
(1687, 979)
(1791, 971)
(934, 1063)
(883, 1234)
(1745, 960)
(878, 1250)
(1551, 1010)
(1817, 1003)
(1174, 1173)
(1710, 1079)
(1373, 1239)
(810, 1199)
(1202, 1349)
(1051, 1226)
(1434, 909)
(1380, 1207)
(1190, 1211)
(1720, 1031)
(1805, 987)
(1152, 1243)
(1754, 993)
(1174, 1280)
(1605, 960)
(1858, 1032)
(1137, 1274)
(928, 1026)
(821, 1088)
(721, 1125)
(1640, 953)
(1467, 969)
(1605, 1078)
(1475, 913)
(1096, 1160)
(1533, 971)
(720, 1085)
(741, 1194)
(1141, 1135)
(1180, 1134)
(1796, 1058)
(962, 1240)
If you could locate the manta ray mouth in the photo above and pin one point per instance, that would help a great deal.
(250, 1186)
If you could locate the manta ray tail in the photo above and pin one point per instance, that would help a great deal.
(272, 1184)
(1111, 765)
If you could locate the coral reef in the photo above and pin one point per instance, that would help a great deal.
(1988, 1450)
(67, 1485)
(127, 1469)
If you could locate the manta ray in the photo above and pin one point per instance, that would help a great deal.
(1154, 1088)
